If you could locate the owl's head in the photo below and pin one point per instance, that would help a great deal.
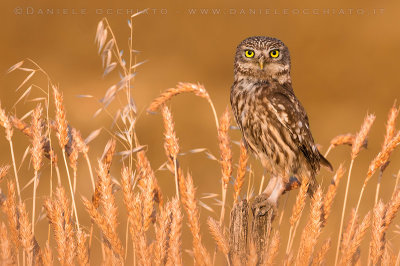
(262, 58)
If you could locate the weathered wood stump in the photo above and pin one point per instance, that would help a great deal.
(260, 229)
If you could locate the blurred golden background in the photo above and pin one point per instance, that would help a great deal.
(344, 64)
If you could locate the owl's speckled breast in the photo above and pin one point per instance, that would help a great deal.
(258, 124)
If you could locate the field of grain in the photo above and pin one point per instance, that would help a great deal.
(64, 202)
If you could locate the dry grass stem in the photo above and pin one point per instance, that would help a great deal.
(37, 138)
(145, 172)
(320, 257)
(6, 123)
(350, 250)
(225, 147)
(61, 121)
(297, 211)
(138, 233)
(134, 207)
(59, 215)
(345, 139)
(360, 138)
(197, 89)
(390, 130)
(82, 249)
(109, 233)
(163, 231)
(201, 255)
(12, 214)
(226, 157)
(331, 193)
(391, 124)
(27, 240)
(252, 258)
(37, 153)
(241, 170)
(171, 145)
(7, 253)
(312, 231)
(376, 245)
(383, 156)
(362, 135)
(107, 202)
(47, 255)
(300, 202)
(218, 235)
(392, 208)
(273, 249)
(349, 232)
(4, 171)
(175, 242)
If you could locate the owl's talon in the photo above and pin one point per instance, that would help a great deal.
(262, 205)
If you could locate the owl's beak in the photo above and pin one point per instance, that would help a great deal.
(261, 62)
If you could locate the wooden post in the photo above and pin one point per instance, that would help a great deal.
(263, 216)
(238, 233)
(261, 223)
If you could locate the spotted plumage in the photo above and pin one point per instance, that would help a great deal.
(273, 122)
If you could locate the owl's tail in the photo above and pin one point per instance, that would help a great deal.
(324, 162)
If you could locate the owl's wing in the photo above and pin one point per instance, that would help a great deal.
(293, 117)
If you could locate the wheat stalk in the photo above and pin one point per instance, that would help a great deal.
(358, 143)
(171, 145)
(37, 153)
(320, 257)
(197, 89)
(226, 157)
(7, 254)
(297, 211)
(6, 123)
(241, 170)
(219, 237)
(312, 231)
(273, 249)
(63, 139)
(175, 243)
(201, 255)
(58, 213)
(331, 193)
(82, 249)
(163, 232)
(350, 250)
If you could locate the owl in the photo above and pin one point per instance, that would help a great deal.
(273, 122)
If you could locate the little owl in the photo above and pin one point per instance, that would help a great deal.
(272, 120)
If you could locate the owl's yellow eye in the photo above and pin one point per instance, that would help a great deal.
(274, 53)
(249, 53)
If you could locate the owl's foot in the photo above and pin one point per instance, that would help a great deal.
(262, 204)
